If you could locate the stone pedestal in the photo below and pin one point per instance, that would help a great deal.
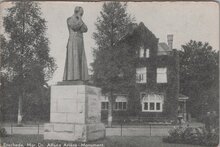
(75, 114)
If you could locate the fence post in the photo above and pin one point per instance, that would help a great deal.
(150, 129)
(11, 128)
(38, 128)
(121, 128)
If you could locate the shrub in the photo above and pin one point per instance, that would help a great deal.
(212, 139)
(3, 132)
(194, 135)
(189, 135)
(177, 134)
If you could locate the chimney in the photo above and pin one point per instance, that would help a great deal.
(170, 41)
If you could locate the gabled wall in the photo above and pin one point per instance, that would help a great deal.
(142, 36)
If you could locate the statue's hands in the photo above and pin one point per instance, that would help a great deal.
(79, 17)
(77, 22)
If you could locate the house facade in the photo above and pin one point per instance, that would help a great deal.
(156, 72)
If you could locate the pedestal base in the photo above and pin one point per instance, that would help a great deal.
(75, 114)
(74, 132)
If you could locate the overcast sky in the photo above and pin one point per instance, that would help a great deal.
(185, 20)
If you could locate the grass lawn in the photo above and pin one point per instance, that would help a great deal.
(113, 141)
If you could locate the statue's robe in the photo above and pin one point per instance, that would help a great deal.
(75, 64)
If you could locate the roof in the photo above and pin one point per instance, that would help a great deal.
(134, 27)
(163, 49)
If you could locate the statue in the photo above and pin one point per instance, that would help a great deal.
(75, 76)
(76, 65)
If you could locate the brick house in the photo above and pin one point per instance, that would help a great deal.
(156, 90)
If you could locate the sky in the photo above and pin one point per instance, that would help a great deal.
(185, 20)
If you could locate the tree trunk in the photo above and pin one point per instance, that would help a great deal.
(19, 110)
(2, 97)
(110, 108)
(21, 70)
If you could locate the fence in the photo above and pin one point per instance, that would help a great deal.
(138, 129)
(27, 127)
(13, 128)
(122, 129)
(116, 130)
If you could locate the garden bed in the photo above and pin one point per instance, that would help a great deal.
(195, 136)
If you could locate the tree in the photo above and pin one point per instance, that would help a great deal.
(107, 68)
(199, 76)
(2, 74)
(26, 55)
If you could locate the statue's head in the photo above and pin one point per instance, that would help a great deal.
(78, 11)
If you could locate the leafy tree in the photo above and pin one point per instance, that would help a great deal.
(26, 54)
(107, 66)
(112, 24)
(2, 75)
(199, 76)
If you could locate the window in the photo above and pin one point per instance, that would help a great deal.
(104, 102)
(120, 106)
(141, 52)
(154, 107)
(157, 106)
(144, 52)
(104, 105)
(124, 105)
(147, 53)
(151, 106)
(161, 75)
(141, 75)
(120, 103)
(145, 106)
(152, 102)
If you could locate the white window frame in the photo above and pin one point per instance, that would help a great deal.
(123, 100)
(155, 106)
(162, 75)
(147, 53)
(123, 104)
(143, 102)
(141, 75)
(120, 100)
(144, 53)
(141, 52)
